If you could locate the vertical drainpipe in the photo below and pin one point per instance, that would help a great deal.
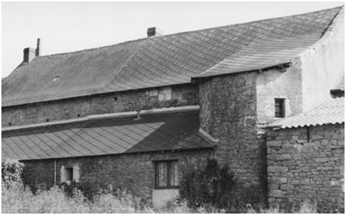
(308, 134)
(54, 172)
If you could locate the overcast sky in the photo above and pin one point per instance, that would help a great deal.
(66, 26)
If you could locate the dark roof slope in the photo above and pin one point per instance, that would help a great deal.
(329, 112)
(160, 132)
(165, 60)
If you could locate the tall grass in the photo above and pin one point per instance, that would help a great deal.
(16, 199)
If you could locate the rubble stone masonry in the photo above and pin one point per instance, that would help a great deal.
(176, 95)
(306, 163)
(134, 172)
(228, 113)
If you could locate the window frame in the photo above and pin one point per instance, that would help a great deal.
(281, 103)
(169, 167)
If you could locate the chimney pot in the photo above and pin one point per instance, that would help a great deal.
(38, 47)
(154, 31)
(29, 54)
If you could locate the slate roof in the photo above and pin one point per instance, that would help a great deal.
(329, 112)
(159, 132)
(166, 60)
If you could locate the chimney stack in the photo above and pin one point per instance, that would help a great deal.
(29, 54)
(154, 31)
(38, 47)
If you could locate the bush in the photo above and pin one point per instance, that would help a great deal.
(215, 189)
(11, 171)
(212, 186)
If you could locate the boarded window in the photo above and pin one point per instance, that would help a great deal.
(166, 174)
(280, 108)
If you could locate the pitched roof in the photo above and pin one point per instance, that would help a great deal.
(166, 60)
(329, 112)
(160, 132)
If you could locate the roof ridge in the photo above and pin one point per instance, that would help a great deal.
(255, 21)
(91, 49)
(186, 32)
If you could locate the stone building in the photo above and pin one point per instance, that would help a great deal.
(306, 155)
(135, 114)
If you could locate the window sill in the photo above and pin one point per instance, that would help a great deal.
(166, 188)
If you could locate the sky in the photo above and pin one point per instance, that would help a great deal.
(72, 26)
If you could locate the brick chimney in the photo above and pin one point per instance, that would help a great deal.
(38, 47)
(154, 31)
(29, 54)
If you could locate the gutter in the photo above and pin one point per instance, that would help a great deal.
(109, 116)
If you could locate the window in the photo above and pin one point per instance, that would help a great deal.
(280, 108)
(162, 94)
(166, 174)
(69, 173)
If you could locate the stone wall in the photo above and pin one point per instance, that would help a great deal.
(228, 113)
(306, 164)
(177, 95)
(134, 172)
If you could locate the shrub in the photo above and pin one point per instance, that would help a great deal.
(212, 186)
(11, 171)
(215, 189)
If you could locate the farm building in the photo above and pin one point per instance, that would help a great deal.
(135, 114)
(306, 154)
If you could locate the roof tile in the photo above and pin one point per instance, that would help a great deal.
(164, 60)
(111, 136)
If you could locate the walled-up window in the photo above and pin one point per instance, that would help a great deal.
(166, 174)
(280, 108)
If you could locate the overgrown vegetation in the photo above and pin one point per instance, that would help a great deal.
(212, 190)
(11, 171)
(217, 188)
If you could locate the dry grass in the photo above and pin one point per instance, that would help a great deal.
(16, 199)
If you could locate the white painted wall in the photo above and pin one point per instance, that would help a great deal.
(323, 65)
(160, 197)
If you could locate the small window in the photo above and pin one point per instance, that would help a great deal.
(280, 108)
(166, 175)
(165, 94)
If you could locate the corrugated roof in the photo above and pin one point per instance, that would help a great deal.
(165, 60)
(329, 112)
(157, 132)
